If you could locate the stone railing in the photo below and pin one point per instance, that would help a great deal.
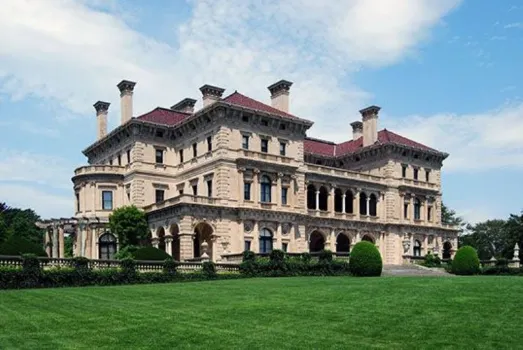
(417, 183)
(96, 264)
(345, 174)
(183, 198)
(99, 169)
(268, 157)
(238, 257)
(514, 263)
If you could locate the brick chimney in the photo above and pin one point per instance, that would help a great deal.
(280, 95)
(101, 118)
(357, 129)
(185, 106)
(211, 94)
(370, 125)
(126, 88)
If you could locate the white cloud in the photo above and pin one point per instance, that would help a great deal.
(31, 127)
(514, 25)
(45, 204)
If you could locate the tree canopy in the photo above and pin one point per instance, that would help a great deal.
(19, 222)
(130, 225)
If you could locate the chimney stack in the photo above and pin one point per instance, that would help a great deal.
(126, 88)
(370, 125)
(280, 95)
(357, 130)
(185, 106)
(101, 118)
(211, 94)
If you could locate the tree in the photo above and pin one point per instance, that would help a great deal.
(19, 222)
(449, 217)
(514, 234)
(489, 238)
(130, 225)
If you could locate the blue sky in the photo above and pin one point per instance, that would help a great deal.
(446, 73)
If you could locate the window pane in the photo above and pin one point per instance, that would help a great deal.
(247, 191)
(245, 142)
(282, 149)
(284, 195)
(159, 156)
(107, 200)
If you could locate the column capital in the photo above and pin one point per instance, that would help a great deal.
(126, 87)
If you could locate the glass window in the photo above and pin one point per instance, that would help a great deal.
(247, 191)
(245, 141)
(119, 159)
(209, 188)
(427, 175)
(264, 145)
(194, 150)
(107, 200)
(283, 147)
(417, 248)
(284, 191)
(106, 246)
(417, 209)
(265, 195)
(403, 171)
(159, 195)
(284, 247)
(247, 245)
(429, 214)
(416, 170)
(181, 155)
(265, 241)
(406, 211)
(159, 156)
(111, 161)
(128, 156)
(209, 143)
(77, 201)
(195, 190)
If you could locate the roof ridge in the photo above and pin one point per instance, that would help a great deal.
(319, 140)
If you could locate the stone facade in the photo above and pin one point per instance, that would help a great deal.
(239, 174)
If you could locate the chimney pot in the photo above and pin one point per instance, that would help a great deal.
(370, 125)
(357, 130)
(211, 94)
(126, 88)
(185, 106)
(102, 109)
(280, 95)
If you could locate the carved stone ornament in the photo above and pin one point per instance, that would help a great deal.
(285, 228)
(248, 226)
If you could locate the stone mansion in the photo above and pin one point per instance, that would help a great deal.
(239, 174)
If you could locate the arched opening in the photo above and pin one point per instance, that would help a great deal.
(160, 233)
(175, 248)
(342, 243)
(373, 205)
(368, 238)
(265, 240)
(447, 250)
(202, 233)
(417, 209)
(311, 197)
(106, 246)
(324, 195)
(363, 203)
(338, 201)
(265, 189)
(417, 248)
(349, 201)
(316, 242)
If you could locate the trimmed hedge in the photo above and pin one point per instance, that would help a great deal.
(150, 254)
(431, 261)
(19, 246)
(466, 261)
(365, 260)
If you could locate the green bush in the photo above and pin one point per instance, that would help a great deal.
(150, 254)
(325, 256)
(306, 257)
(31, 271)
(209, 269)
(128, 265)
(126, 252)
(502, 262)
(277, 256)
(19, 246)
(248, 256)
(466, 261)
(169, 266)
(365, 260)
(431, 261)
(80, 263)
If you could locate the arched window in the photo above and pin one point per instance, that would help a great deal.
(324, 195)
(417, 248)
(338, 201)
(317, 242)
(417, 209)
(265, 241)
(373, 205)
(447, 249)
(106, 246)
(349, 200)
(363, 203)
(342, 243)
(368, 239)
(265, 194)
(311, 197)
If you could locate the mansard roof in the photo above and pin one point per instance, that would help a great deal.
(164, 116)
(244, 101)
(331, 149)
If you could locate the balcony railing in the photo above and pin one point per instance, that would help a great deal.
(417, 183)
(183, 198)
(99, 169)
(346, 174)
(268, 157)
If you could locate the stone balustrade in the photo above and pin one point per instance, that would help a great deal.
(99, 169)
(183, 198)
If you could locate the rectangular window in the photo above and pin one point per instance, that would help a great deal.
(194, 150)
(283, 147)
(284, 191)
(406, 211)
(247, 191)
(107, 200)
(111, 161)
(264, 145)
(119, 159)
(129, 196)
(160, 195)
(209, 143)
(429, 213)
(247, 246)
(159, 156)
(404, 171)
(128, 156)
(209, 188)
(194, 190)
(245, 141)
(284, 247)
(181, 156)
(77, 202)
(416, 170)
(181, 191)
(427, 175)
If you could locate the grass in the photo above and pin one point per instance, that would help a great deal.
(277, 313)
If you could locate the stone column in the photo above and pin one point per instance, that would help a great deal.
(278, 190)
(186, 246)
(332, 239)
(318, 200)
(368, 206)
(425, 249)
(255, 247)
(55, 241)
(255, 190)
(241, 182)
(47, 241)
(168, 245)
(278, 237)
(343, 197)
(412, 208)
(155, 242)
(356, 204)
(61, 243)
(331, 200)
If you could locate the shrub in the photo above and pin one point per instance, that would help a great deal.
(502, 262)
(150, 253)
(209, 269)
(126, 252)
(19, 246)
(466, 261)
(306, 257)
(169, 266)
(31, 271)
(277, 256)
(365, 260)
(432, 261)
(248, 256)
(128, 266)
(325, 256)
(80, 263)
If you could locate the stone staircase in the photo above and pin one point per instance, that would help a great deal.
(413, 270)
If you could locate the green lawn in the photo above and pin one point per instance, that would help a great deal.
(278, 313)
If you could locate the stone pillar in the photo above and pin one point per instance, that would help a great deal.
(332, 239)
(331, 200)
(61, 243)
(55, 241)
(168, 245)
(47, 241)
(255, 246)
(356, 204)
(343, 197)
(255, 190)
(278, 190)
(368, 206)
(412, 208)
(425, 249)
(155, 242)
(186, 246)
(318, 200)
(515, 259)
(278, 237)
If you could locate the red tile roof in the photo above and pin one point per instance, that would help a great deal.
(326, 148)
(164, 116)
(243, 101)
